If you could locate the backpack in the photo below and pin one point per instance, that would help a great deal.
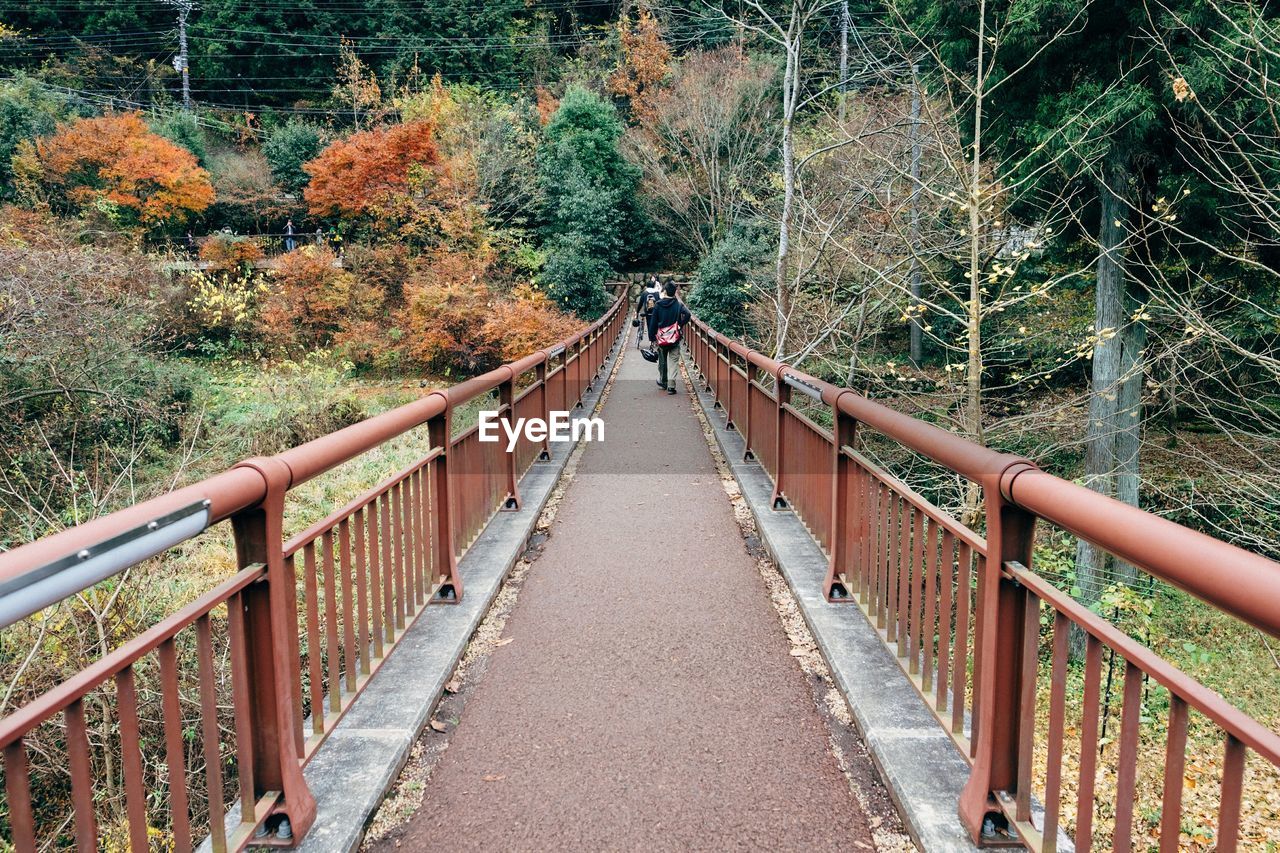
(650, 301)
(669, 336)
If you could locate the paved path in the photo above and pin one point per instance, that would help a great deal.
(648, 699)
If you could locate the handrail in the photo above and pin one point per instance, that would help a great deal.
(1187, 559)
(963, 613)
(350, 584)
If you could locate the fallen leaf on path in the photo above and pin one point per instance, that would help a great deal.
(493, 777)
(504, 642)
(438, 726)
(453, 686)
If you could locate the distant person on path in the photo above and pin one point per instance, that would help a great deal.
(666, 326)
(319, 237)
(191, 244)
(649, 297)
(289, 242)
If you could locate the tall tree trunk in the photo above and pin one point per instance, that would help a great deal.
(790, 97)
(1102, 435)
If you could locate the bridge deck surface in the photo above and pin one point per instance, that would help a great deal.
(647, 699)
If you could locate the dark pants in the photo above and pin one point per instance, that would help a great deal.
(668, 356)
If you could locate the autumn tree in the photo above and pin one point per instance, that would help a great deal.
(645, 61)
(386, 176)
(118, 162)
(705, 144)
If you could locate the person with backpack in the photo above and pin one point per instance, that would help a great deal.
(644, 306)
(666, 326)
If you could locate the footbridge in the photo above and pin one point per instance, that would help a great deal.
(723, 626)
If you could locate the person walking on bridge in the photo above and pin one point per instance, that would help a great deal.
(649, 297)
(666, 326)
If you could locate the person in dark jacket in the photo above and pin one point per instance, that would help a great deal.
(669, 312)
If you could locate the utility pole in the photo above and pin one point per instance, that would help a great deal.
(844, 54)
(917, 331)
(180, 63)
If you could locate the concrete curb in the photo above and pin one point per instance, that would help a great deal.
(919, 763)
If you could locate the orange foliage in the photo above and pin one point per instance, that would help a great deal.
(312, 302)
(228, 253)
(454, 322)
(546, 103)
(526, 321)
(382, 173)
(646, 59)
(119, 159)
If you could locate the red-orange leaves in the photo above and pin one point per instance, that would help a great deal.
(117, 159)
(382, 173)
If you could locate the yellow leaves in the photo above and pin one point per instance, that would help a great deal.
(1182, 90)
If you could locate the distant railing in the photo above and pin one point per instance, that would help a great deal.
(962, 613)
(296, 646)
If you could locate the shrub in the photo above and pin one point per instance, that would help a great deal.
(526, 321)
(229, 252)
(288, 148)
(311, 300)
(723, 282)
(182, 128)
(575, 277)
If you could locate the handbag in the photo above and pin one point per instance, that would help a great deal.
(668, 336)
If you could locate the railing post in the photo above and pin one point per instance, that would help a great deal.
(507, 412)
(716, 370)
(544, 405)
(782, 395)
(1000, 624)
(728, 406)
(271, 636)
(446, 586)
(753, 374)
(578, 373)
(836, 587)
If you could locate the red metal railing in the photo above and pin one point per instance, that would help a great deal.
(296, 652)
(962, 613)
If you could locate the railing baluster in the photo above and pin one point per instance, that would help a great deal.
(916, 583)
(174, 758)
(17, 790)
(1030, 660)
(404, 597)
(81, 778)
(929, 632)
(348, 609)
(1232, 788)
(315, 651)
(241, 699)
(1127, 771)
(362, 593)
(379, 600)
(1175, 762)
(960, 657)
(334, 669)
(209, 735)
(1057, 725)
(946, 581)
(135, 792)
(1088, 744)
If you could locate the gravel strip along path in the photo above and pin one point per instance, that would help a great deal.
(644, 696)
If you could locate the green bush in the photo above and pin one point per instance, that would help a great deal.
(182, 128)
(26, 112)
(287, 148)
(576, 277)
(723, 281)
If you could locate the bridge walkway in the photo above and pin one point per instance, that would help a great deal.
(647, 698)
